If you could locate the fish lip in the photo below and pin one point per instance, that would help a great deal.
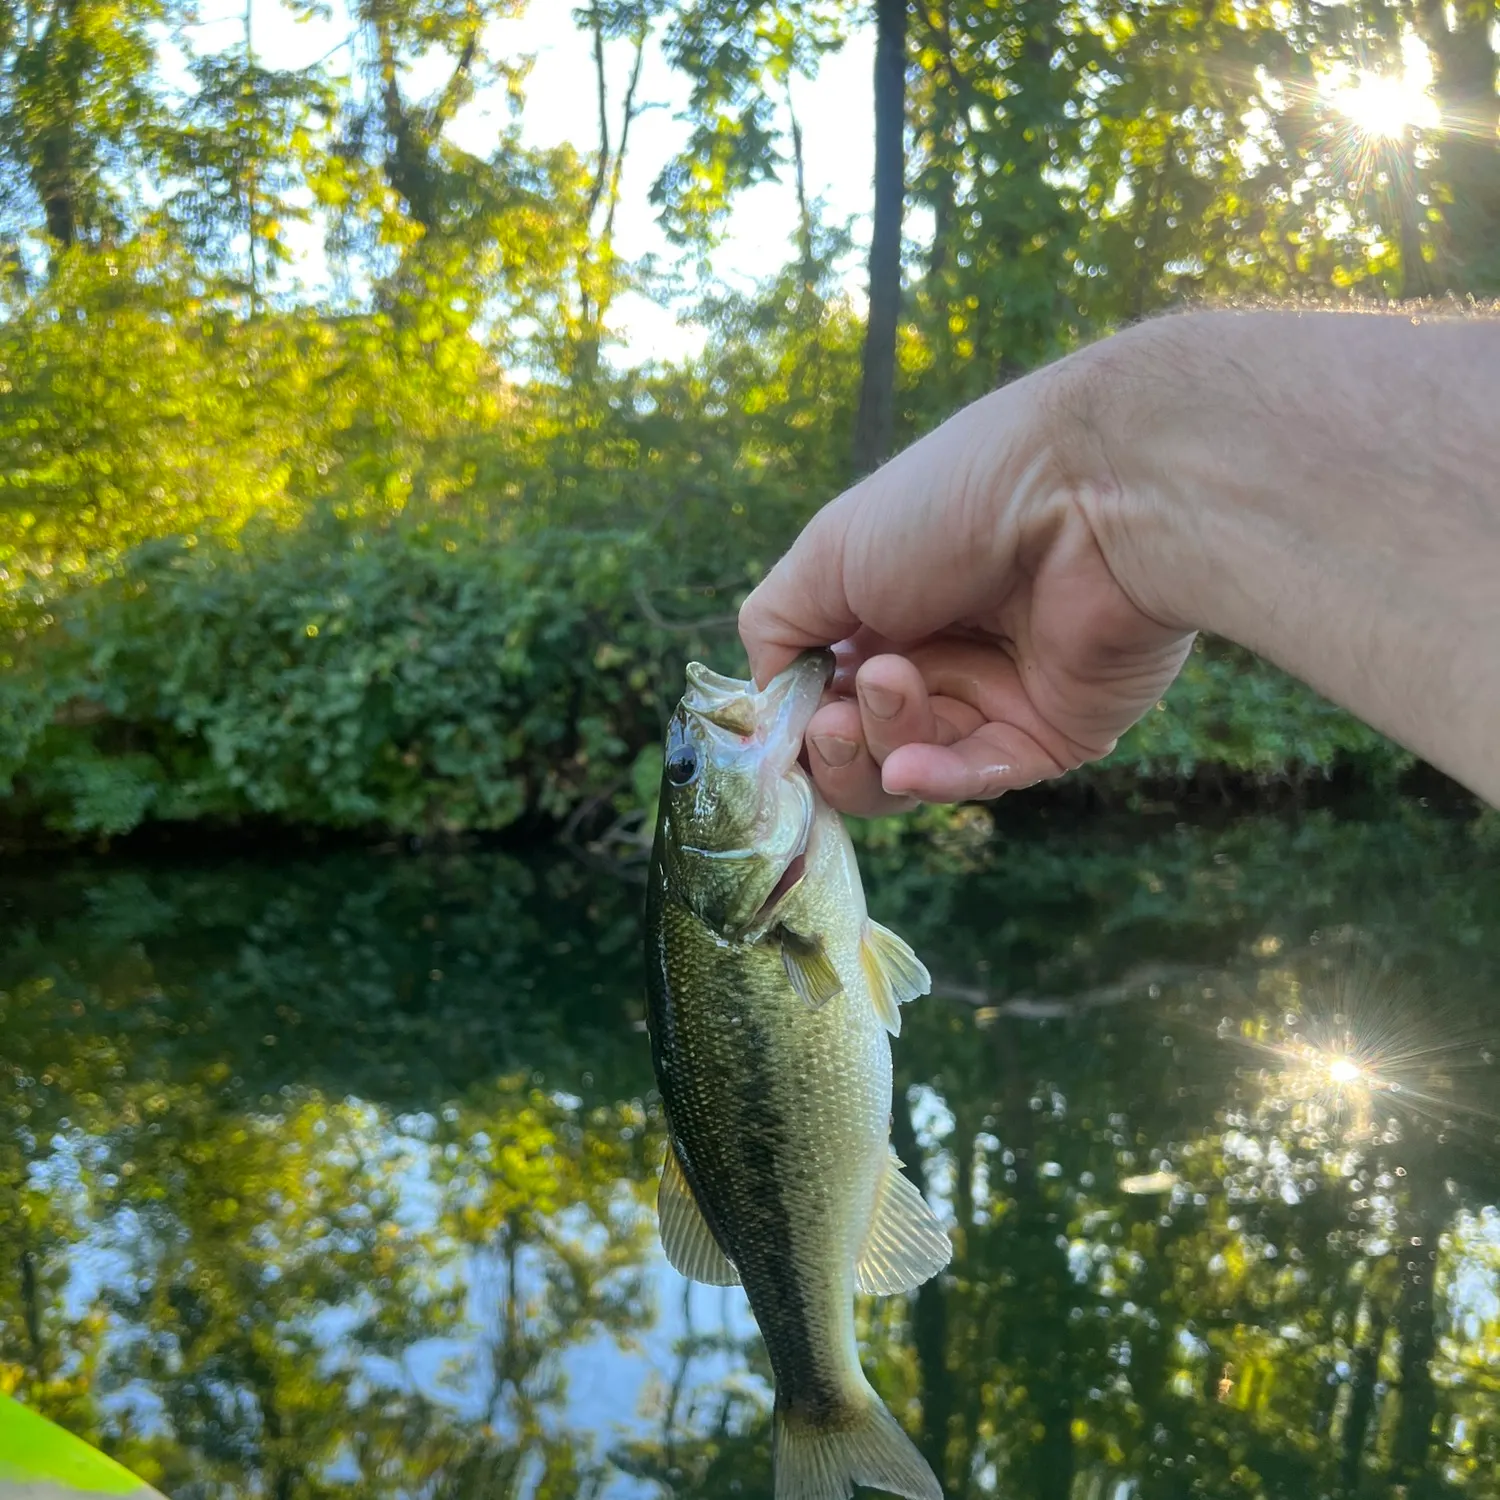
(777, 714)
(783, 709)
(777, 717)
(786, 705)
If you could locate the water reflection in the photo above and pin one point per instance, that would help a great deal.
(335, 1179)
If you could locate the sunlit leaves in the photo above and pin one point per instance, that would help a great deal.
(741, 56)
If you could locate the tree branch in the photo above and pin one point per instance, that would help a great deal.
(629, 114)
(996, 1004)
(804, 217)
(705, 622)
(596, 192)
(451, 98)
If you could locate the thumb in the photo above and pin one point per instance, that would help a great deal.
(911, 548)
(801, 603)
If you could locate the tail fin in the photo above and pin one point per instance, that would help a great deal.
(863, 1444)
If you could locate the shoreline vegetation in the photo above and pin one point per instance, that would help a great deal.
(423, 681)
(421, 553)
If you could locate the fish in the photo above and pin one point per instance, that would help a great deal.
(772, 998)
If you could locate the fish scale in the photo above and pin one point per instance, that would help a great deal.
(780, 1124)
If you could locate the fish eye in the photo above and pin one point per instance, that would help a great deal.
(682, 765)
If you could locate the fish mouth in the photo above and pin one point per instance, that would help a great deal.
(774, 720)
(786, 706)
(783, 709)
(776, 715)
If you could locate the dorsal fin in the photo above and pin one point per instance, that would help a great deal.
(894, 972)
(685, 1235)
(906, 1245)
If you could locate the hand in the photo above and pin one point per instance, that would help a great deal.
(984, 641)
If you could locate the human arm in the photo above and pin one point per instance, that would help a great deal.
(1323, 488)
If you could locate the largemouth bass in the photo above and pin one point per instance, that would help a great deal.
(772, 1000)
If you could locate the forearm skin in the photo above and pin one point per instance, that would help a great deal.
(1323, 488)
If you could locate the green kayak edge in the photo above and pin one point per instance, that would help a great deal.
(41, 1461)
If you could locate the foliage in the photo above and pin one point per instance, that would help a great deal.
(348, 677)
(1229, 711)
(424, 678)
(200, 457)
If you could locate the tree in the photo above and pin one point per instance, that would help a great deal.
(77, 103)
(874, 426)
(241, 150)
(1461, 39)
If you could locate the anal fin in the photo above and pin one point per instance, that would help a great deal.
(685, 1236)
(894, 972)
(906, 1245)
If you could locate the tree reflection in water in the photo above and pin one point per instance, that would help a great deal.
(335, 1178)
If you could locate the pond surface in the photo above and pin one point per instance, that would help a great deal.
(335, 1178)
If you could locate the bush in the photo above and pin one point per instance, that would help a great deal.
(423, 676)
(1233, 713)
(341, 572)
(403, 676)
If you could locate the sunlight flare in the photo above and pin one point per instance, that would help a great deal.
(1360, 1047)
(1384, 106)
(1342, 1070)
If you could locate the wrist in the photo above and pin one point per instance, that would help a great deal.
(1320, 488)
(1131, 424)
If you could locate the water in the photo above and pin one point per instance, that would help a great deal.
(334, 1177)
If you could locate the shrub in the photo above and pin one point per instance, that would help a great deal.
(404, 676)
(426, 675)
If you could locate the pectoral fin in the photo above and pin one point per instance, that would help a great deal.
(809, 968)
(906, 1244)
(895, 974)
(685, 1235)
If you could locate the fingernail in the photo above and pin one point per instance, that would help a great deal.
(834, 750)
(881, 702)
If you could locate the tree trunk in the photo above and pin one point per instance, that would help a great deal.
(1363, 1378)
(1037, 1340)
(61, 55)
(875, 423)
(1412, 1466)
(1464, 65)
(55, 185)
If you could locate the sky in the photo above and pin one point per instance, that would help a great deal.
(835, 113)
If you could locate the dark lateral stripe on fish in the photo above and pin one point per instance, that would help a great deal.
(777, 1301)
